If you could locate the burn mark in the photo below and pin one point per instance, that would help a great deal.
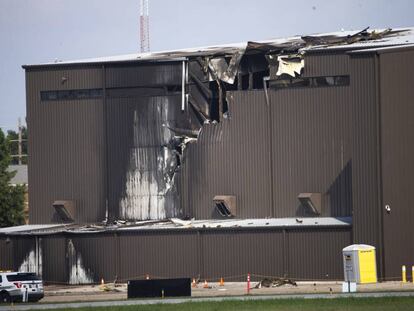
(78, 274)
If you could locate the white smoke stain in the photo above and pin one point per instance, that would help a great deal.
(77, 272)
(32, 262)
(145, 193)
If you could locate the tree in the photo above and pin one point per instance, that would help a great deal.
(11, 197)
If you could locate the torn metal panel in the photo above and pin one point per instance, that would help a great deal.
(273, 48)
(335, 39)
(184, 132)
(173, 223)
(224, 71)
(297, 222)
(383, 36)
(378, 37)
(201, 116)
(156, 132)
(291, 65)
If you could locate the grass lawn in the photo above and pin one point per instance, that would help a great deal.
(377, 304)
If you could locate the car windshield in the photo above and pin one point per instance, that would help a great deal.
(23, 277)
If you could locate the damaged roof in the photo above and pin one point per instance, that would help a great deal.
(29, 228)
(365, 38)
(178, 224)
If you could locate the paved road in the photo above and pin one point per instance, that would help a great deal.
(75, 305)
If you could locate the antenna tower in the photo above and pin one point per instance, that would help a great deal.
(144, 25)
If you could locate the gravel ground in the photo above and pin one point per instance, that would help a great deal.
(54, 293)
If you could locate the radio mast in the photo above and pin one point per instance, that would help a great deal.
(144, 25)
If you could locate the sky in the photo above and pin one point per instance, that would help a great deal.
(36, 31)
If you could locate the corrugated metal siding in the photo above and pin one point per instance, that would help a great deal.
(137, 139)
(6, 254)
(311, 152)
(99, 254)
(317, 254)
(159, 254)
(234, 254)
(208, 254)
(54, 261)
(69, 78)
(144, 75)
(66, 143)
(397, 144)
(321, 64)
(311, 149)
(232, 158)
(22, 247)
(364, 154)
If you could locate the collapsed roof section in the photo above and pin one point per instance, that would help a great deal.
(247, 65)
(336, 40)
(178, 224)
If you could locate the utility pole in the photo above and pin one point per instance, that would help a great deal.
(20, 141)
(144, 26)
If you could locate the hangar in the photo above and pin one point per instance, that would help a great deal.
(262, 157)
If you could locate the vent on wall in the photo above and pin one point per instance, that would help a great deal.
(312, 202)
(65, 211)
(225, 205)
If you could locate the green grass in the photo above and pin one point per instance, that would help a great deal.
(377, 304)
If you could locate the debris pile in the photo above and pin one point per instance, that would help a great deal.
(275, 282)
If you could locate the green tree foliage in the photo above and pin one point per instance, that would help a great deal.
(13, 137)
(11, 197)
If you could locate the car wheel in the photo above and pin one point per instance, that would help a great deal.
(4, 298)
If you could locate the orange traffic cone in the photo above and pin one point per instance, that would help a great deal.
(103, 286)
(221, 282)
(194, 283)
(205, 284)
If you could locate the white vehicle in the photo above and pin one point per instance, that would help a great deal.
(20, 286)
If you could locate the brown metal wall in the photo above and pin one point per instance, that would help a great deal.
(54, 261)
(100, 255)
(317, 254)
(232, 158)
(159, 254)
(156, 74)
(397, 146)
(66, 143)
(233, 254)
(326, 64)
(75, 77)
(22, 246)
(311, 143)
(309, 132)
(324, 140)
(6, 254)
(209, 254)
(363, 97)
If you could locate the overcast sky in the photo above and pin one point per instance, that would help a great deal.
(33, 31)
